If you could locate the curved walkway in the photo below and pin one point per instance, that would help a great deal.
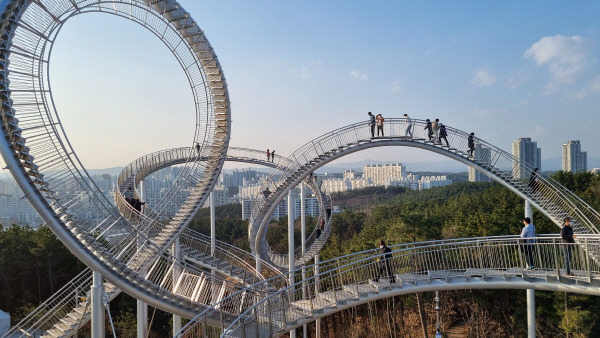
(63, 313)
(348, 281)
(547, 195)
(45, 166)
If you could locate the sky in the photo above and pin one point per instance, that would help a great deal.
(296, 70)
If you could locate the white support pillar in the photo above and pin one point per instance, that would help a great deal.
(97, 306)
(317, 291)
(530, 292)
(213, 229)
(303, 239)
(303, 216)
(213, 236)
(142, 319)
(177, 324)
(530, 313)
(291, 257)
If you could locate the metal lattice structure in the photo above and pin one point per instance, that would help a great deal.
(547, 195)
(132, 249)
(358, 278)
(47, 169)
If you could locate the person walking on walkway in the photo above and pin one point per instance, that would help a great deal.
(471, 144)
(408, 124)
(436, 131)
(527, 242)
(372, 124)
(568, 239)
(273, 155)
(385, 268)
(129, 195)
(444, 135)
(380, 120)
(268, 155)
(429, 130)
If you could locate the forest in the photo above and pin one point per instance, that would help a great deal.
(34, 264)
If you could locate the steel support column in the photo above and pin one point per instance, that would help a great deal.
(177, 254)
(213, 231)
(291, 257)
(317, 291)
(530, 292)
(97, 306)
(142, 319)
(303, 239)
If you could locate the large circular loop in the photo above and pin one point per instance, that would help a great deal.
(45, 164)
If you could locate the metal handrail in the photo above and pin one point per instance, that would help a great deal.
(459, 261)
(50, 173)
(69, 297)
(549, 196)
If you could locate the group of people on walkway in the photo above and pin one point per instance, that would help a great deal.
(270, 155)
(136, 203)
(527, 245)
(436, 131)
(376, 121)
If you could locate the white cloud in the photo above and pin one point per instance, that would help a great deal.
(517, 80)
(394, 86)
(565, 57)
(483, 77)
(358, 74)
(592, 88)
(481, 113)
(308, 71)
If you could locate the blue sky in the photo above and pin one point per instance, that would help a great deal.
(296, 70)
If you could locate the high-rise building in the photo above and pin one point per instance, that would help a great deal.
(481, 154)
(573, 159)
(381, 174)
(526, 151)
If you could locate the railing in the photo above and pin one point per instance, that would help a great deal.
(69, 297)
(316, 239)
(337, 281)
(50, 173)
(550, 197)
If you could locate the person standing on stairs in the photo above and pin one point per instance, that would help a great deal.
(436, 131)
(408, 124)
(372, 123)
(380, 120)
(444, 135)
(471, 144)
(429, 130)
(268, 155)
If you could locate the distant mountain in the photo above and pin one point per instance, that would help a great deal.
(116, 171)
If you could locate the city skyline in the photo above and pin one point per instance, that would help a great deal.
(314, 67)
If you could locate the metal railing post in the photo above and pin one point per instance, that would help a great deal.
(588, 263)
(555, 249)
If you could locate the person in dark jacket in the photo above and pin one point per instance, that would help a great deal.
(372, 123)
(385, 268)
(471, 144)
(444, 134)
(429, 129)
(566, 233)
